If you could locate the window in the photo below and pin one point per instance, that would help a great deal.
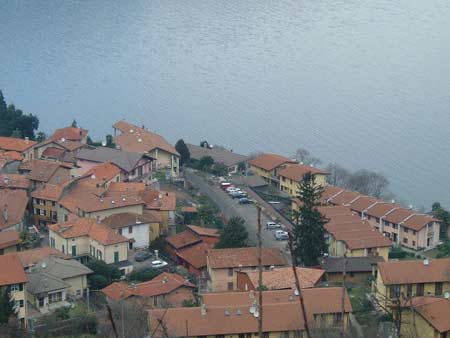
(52, 242)
(155, 301)
(42, 212)
(438, 288)
(394, 291)
(414, 243)
(14, 287)
(405, 240)
(99, 255)
(414, 232)
(120, 231)
(409, 290)
(230, 286)
(337, 319)
(41, 302)
(405, 230)
(420, 288)
(53, 204)
(78, 292)
(55, 297)
(116, 256)
(230, 272)
(21, 303)
(66, 217)
(74, 250)
(130, 229)
(62, 249)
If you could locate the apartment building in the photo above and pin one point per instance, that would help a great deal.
(267, 165)
(291, 175)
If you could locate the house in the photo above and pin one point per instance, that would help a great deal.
(9, 241)
(406, 227)
(13, 277)
(14, 181)
(348, 235)
(267, 165)
(357, 269)
(40, 172)
(190, 247)
(222, 265)
(134, 166)
(103, 174)
(163, 201)
(62, 150)
(13, 209)
(18, 145)
(10, 161)
(141, 230)
(426, 317)
(44, 203)
(291, 176)
(139, 140)
(402, 280)
(31, 257)
(165, 290)
(73, 134)
(228, 158)
(235, 314)
(279, 278)
(56, 282)
(86, 238)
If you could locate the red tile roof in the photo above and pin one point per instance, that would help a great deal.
(363, 203)
(139, 140)
(53, 152)
(159, 200)
(415, 271)
(183, 239)
(13, 204)
(196, 254)
(41, 170)
(9, 238)
(33, 256)
(103, 172)
(14, 181)
(125, 219)
(296, 172)
(69, 133)
(202, 231)
(87, 227)
(12, 270)
(163, 284)
(270, 161)
(435, 311)
(49, 192)
(245, 257)
(15, 144)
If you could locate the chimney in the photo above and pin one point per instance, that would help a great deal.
(203, 310)
(27, 139)
(426, 262)
(5, 213)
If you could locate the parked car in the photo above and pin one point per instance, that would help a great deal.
(244, 200)
(225, 185)
(142, 256)
(159, 264)
(272, 225)
(281, 235)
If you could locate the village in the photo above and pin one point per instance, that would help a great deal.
(136, 237)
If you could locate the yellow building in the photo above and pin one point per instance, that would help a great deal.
(267, 165)
(235, 314)
(426, 317)
(402, 280)
(9, 241)
(291, 176)
(86, 238)
(223, 264)
(13, 277)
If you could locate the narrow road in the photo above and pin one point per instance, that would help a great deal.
(230, 207)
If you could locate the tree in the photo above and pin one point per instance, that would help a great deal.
(6, 305)
(219, 169)
(309, 233)
(143, 275)
(444, 216)
(110, 141)
(40, 136)
(205, 163)
(369, 183)
(183, 150)
(14, 122)
(338, 175)
(305, 157)
(102, 273)
(233, 235)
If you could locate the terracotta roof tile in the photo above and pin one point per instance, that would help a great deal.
(415, 271)
(53, 152)
(13, 204)
(9, 238)
(202, 231)
(270, 161)
(103, 172)
(12, 270)
(11, 155)
(14, 181)
(125, 219)
(246, 257)
(163, 284)
(140, 140)
(330, 191)
(296, 172)
(126, 186)
(69, 133)
(196, 254)
(159, 200)
(382, 208)
(345, 197)
(33, 256)
(435, 311)
(283, 278)
(15, 144)
(183, 239)
(363, 203)
(50, 192)
(41, 170)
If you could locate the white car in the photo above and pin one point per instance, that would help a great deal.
(273, 225)
(281, 235)
(159, 264)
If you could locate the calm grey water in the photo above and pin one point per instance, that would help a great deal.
(363, 83)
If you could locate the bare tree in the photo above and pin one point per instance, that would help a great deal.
(369, 183)
(338, 175)
(304, 156)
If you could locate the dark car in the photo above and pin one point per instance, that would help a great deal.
(142, 256)
(244, 200)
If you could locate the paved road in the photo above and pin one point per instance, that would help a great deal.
(230, 207)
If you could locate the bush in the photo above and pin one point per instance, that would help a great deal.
(189, 303)
(397, 252)
(108, 272)
(143, 275)
(62, 313)
(97, 282)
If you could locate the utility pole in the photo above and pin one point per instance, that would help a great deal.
(260, 318)
(344, 273)
(297, 285)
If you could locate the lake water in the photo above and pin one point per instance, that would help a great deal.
(363, 83)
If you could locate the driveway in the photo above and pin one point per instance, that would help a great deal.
(230, 207)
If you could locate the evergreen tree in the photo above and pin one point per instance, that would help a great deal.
(309, 233)
(444, 216)
(6, 305)
(233, 235)
(74, 124)
(183, 150)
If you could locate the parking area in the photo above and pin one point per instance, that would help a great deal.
(230, 207)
